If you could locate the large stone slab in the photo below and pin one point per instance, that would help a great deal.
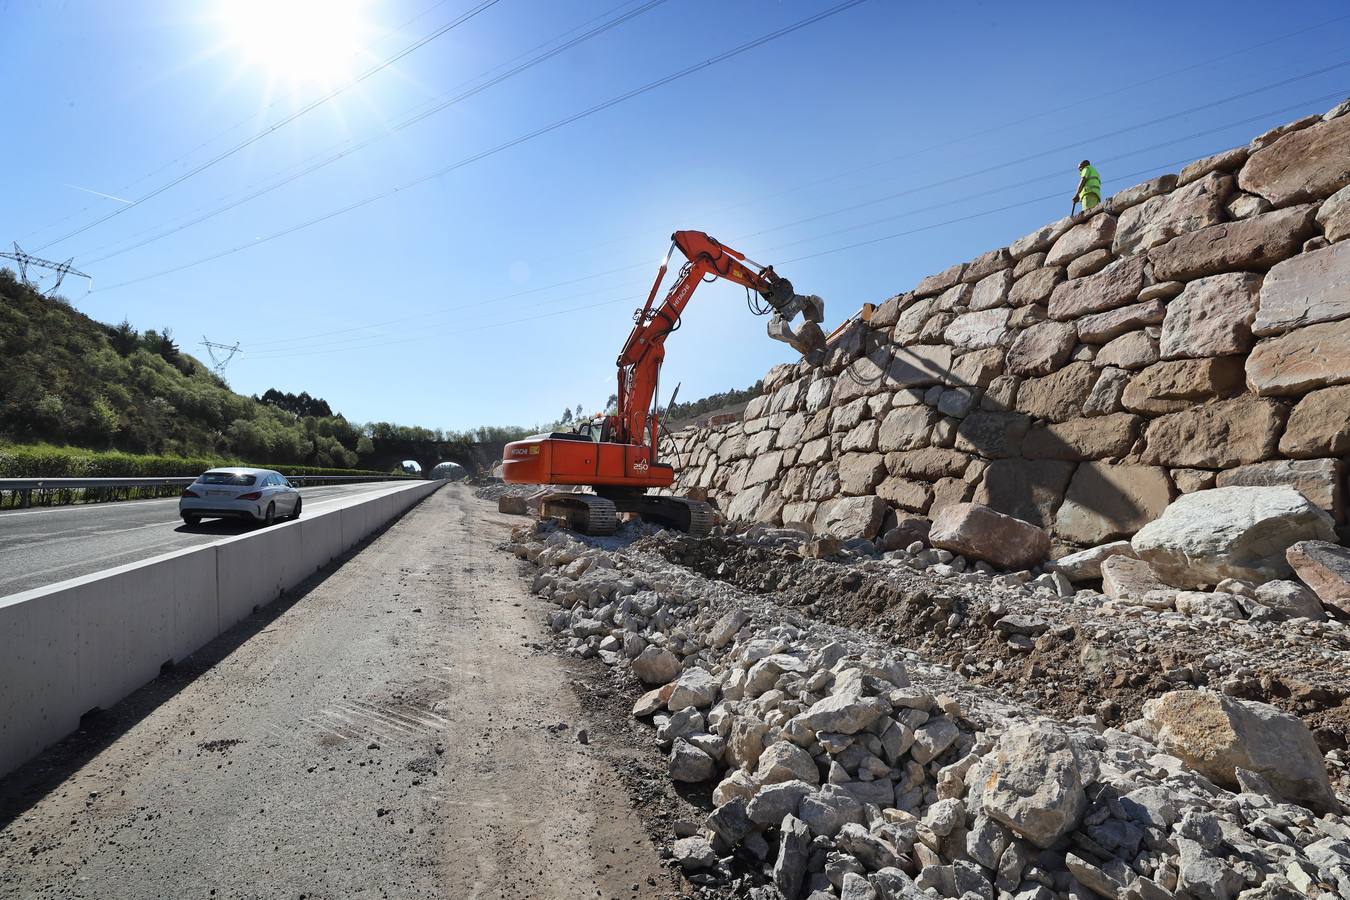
(1105, 502)
(1028, 489)
(765, 468)
(977, 330)
(987, 264)
(1039, 240)
(1212, 317)
(992, 434)
(1302, 360)
(929, 465)
(1086, 565)
(1306, 165)
(1256, 243)
(918, 366)
(1128, 578)
(1102, 327)
(906, 428)
(1136, 350)
(1324, 567)
(849, 517)
(1177, 385)
(992, 290)
(1334, 216)
(1083, 438)
(1319, 425)
(1058, 396)
(1310, 288)
(910, 321)
(1159, 219)
(1233, 532)
(860, 472)
(1123, 200)
(863, 377)
(1095, 232)
(1217, 435)
(1115, 286)
(1036, 286)
(936, 284)
(977, 531)
(1216, 735)
(978, 368)
(1042, 348)
(1320, 480)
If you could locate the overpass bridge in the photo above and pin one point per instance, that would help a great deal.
(476, 457)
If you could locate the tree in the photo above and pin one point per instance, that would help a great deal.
(581, 411)
(566, 417)
(124, 338)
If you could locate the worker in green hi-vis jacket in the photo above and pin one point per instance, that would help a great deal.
(1089, 190)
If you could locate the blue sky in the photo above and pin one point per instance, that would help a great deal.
(502, 291)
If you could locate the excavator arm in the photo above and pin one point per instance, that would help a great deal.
(640, 360)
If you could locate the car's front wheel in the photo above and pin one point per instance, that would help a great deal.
(191, 520)
(295, 513)
(270, 518)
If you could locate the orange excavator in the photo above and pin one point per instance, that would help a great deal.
(616, 455)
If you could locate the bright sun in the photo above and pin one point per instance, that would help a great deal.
(300, 40)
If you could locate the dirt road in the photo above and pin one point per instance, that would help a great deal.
(393, 732)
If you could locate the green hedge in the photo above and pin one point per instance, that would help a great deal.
(47, 461)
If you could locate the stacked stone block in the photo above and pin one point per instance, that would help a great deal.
(1193, 331)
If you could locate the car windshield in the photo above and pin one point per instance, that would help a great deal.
(227, 478)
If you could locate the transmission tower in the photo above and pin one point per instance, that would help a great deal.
(60, 268)
(220, 354)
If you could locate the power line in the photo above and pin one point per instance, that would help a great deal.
(640, 265)
(1047, 112)
(1204, 64)
(406, 123)
(350, 142)
(567, 120)
(215, 137)
(315, 104)
(354, 343)
(350, 344)
(1061, 148)
(1057, 174)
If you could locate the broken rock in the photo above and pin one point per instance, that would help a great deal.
(1235, 532)
(1037, 783)
(1216, 734)
(1324, 567)
(978, 531)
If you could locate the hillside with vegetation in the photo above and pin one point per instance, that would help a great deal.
(67, 380)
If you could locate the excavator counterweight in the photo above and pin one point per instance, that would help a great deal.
(616, 454)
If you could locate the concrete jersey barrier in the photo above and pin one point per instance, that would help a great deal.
(84, 644)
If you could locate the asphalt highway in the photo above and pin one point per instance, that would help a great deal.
(43, 546)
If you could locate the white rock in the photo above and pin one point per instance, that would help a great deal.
(1233, 532)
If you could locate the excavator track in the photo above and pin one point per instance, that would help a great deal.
(693, 517)
(585, 513)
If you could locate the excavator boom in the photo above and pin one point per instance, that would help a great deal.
(622, 465)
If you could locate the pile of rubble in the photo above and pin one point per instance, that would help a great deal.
(844, 767)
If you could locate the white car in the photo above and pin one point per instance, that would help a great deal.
(257, 495)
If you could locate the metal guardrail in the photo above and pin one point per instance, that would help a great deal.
(23, 488)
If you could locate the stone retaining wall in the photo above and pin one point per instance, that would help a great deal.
(1193, 331)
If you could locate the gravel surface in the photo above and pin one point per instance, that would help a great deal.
(1092, 658)
(395, 730)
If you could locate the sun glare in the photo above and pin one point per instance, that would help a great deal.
(299, 40)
